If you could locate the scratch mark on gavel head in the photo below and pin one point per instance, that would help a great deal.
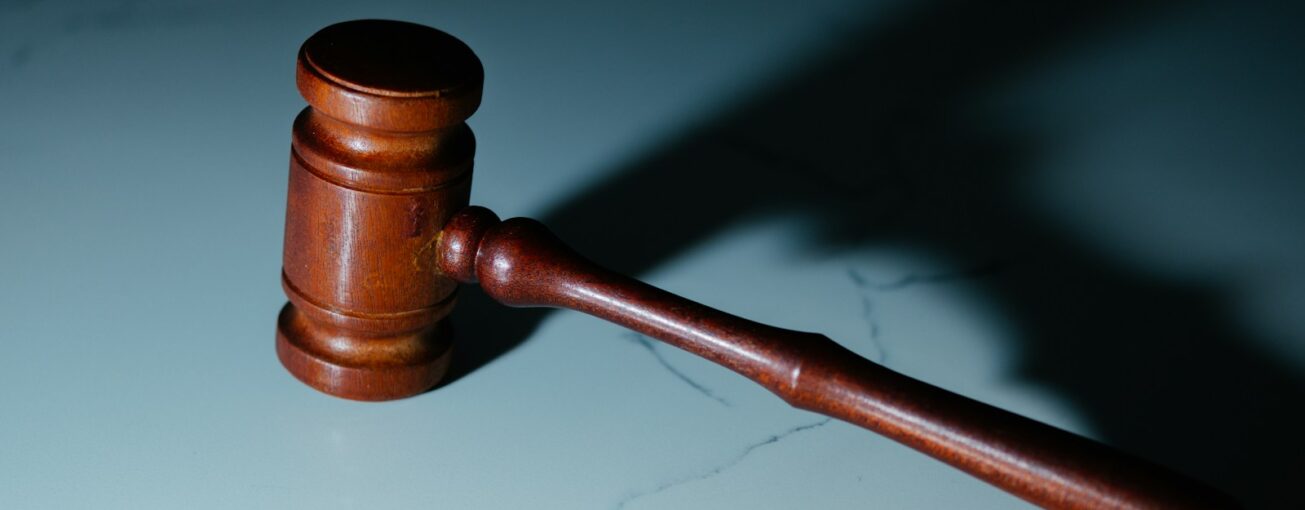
(651, 347)
(417, 218)
(425, 256)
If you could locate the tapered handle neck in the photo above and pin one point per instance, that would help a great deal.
(520, 263)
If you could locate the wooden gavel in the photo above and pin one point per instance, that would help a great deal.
(378, 233)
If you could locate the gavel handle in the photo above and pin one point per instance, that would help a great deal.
(520, 263)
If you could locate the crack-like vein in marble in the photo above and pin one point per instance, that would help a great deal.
(913, 279)
(866, 287)
(651, 347)
(868, 315)
(733, 461)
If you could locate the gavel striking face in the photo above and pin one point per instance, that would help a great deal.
(379, 233)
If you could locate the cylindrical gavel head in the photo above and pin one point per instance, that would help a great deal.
(380, 160)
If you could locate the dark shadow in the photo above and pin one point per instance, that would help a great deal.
(879, 145)
(483, 331)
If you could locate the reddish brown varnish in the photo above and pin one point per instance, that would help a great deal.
(381, 164)
(379, 161)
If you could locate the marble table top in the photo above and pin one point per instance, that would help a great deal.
(1090, 218)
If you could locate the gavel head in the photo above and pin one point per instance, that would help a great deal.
(380, 160)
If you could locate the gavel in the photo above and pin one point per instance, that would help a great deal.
(379, 234)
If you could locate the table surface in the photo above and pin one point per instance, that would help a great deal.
(1090, 217)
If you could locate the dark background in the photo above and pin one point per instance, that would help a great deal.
(1119, 182)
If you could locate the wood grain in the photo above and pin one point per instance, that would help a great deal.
(520, 263)
(378, 234)
(380, 159)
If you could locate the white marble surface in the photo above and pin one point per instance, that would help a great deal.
(1099, 228)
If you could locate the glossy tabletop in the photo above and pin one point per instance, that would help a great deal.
(1090, 216)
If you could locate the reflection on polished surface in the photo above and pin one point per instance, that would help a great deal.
(1086, 215)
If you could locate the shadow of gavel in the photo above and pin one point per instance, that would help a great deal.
(379, 233)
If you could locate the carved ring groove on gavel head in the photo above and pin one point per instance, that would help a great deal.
(378, 233)
(380, 160)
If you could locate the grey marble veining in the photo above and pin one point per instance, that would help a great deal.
(708, 474)
(652, 346)
(1092, 220)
